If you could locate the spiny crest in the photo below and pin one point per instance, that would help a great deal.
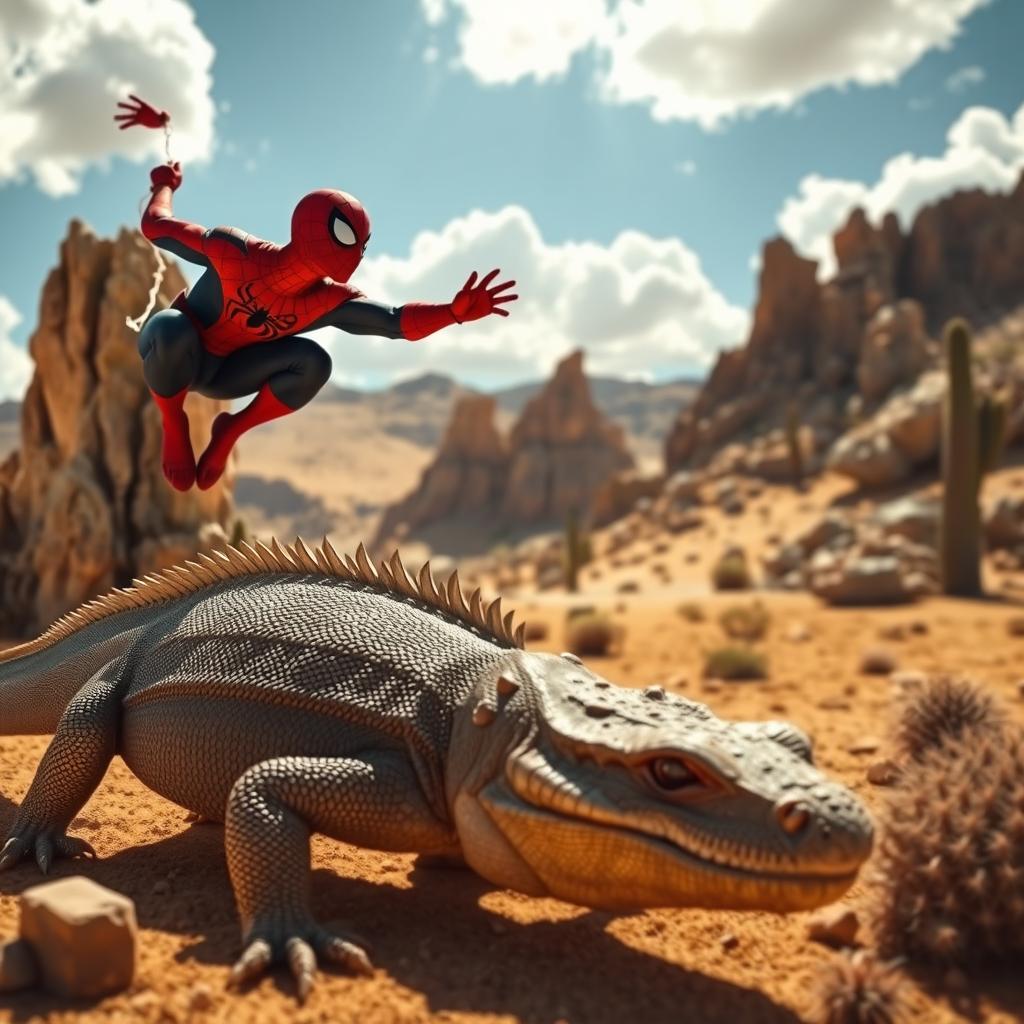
(257, 558)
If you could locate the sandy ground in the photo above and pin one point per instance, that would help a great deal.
(448, 947)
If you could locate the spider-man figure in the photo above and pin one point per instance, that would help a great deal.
(234, 331)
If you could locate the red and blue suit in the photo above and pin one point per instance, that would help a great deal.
(236, 331)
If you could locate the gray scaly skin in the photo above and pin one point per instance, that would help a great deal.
(286, 692)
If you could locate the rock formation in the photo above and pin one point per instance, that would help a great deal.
(561, 450)
(467, 475)
(862, 334)
(558, 454)
(83, 503)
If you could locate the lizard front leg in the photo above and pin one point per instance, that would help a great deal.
(72, 767)
(271, 811)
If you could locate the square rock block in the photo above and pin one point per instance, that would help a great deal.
(83, 936)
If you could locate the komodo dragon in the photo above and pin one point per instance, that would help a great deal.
(284, 692)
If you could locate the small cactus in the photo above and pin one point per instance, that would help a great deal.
(992, 413)
(796, 454)
(858, 988)
(591, 635)
(735, 662)
(945, 709)
(238, 533)
(747, 622)
(577, 551)
(731, 571)
(951, 865)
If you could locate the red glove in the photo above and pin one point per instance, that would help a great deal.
(166, 174)
(475, 301)
(141, 113)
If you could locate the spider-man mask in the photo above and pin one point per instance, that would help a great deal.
(330, 230)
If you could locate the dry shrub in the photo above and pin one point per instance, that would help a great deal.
(735, 662)
(950, 869)
(877, 661)
(691, 611)
(731, 572)
(591, 635)
(858, 988)
(747, 622)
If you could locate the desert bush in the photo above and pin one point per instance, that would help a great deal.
(731, 572)
(747, 622)
(735, 662)
(858, 988)
(951, 861)
(535, 631)
(691, 611)
(877, 661)
(591, 635)
(945, 709)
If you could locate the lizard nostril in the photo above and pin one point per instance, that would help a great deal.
(793, 816)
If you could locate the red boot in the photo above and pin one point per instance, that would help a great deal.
(178, 459)
(229, 427)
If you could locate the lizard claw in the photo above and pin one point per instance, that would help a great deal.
(44, 844)
(300, 949)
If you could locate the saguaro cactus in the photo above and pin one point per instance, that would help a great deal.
(960, 534)
(577, 550)
(796, 454)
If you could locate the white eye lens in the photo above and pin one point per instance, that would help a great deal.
(343, 232)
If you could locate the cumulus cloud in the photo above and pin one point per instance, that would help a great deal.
(704, 60)
(15, 365)
(984, 149)
(64, 64)
(965, 78)
(640, 307)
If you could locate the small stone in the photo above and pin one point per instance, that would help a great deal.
(918, 626)
(893, 631)
(18, 967)
(1020, 688)
(200, 999)
(1015, 626)
(834, 704)
(798, 633)
(908, 680)
(883, 773)
(83, 935)
(834, 926)
(729, 941)
(865, 745)
(877, 661)
(777, 707)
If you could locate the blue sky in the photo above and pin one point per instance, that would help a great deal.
(394, 102)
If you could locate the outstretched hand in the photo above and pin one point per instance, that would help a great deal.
(141, 113)
(478, 300)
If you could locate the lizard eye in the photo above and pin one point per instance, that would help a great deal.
(672, 773)
(341, 230)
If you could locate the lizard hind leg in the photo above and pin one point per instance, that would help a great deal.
(72, 767)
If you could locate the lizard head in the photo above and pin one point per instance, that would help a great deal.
(625, 798)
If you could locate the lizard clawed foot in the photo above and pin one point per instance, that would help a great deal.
(300, 946)
(44, 844)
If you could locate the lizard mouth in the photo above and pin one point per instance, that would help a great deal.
(545, 793)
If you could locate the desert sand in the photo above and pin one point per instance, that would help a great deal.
(447, 946)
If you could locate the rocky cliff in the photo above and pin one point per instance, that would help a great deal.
(862, 334)
(560, 450)
(83, 502)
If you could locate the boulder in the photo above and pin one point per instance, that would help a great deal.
(619, 494)
(868, 456)
(83, 936)
(83, 503)
(1004, 522)
(867, 580)
(894, 349)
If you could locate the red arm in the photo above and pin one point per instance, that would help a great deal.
(418, 319)
(160, 225)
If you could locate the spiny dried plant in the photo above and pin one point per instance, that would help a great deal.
(950, 868)
(858, 988)
(945, 709)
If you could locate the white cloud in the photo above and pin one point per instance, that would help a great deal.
(639, 306)
(64, 64)
(984, 149)
(687, 167)
(703, 60)
(15, 365)
(965, 78)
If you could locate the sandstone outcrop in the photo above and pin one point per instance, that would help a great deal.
(558, 455)
(862, 335)
(467, 476)
(83, 504)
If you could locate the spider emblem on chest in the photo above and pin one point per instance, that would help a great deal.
(257, 318)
